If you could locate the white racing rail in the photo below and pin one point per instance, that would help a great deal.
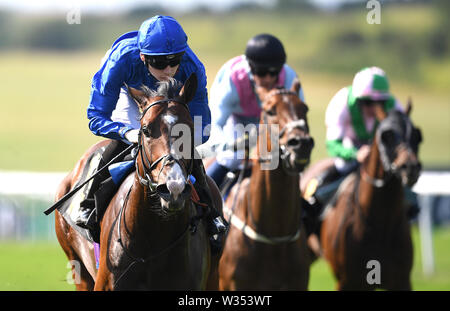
(430, 183)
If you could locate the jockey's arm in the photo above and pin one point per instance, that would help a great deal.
(336, 120)
(105, 90)
(199, 109)
(335, 148)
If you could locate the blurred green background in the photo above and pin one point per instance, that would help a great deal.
(46, 67)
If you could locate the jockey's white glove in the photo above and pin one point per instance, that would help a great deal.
(132, 136)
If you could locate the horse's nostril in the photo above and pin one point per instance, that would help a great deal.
(293, 142)
(162, 189)
(163, 192)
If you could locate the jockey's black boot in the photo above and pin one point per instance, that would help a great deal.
(86, 217)
(411, 203)
(315, 200)
(311, 216)
(412, 211)
(216, 225)
(328, 176)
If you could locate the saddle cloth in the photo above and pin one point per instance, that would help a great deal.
(71, 208)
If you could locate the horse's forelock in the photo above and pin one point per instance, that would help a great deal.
(167, 89)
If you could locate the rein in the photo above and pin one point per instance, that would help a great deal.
(376, 182)
(146, 163)
(142, 260)
(236, 221)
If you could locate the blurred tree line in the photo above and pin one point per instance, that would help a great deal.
(415, 42)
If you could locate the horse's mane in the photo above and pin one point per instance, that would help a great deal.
(168, 89)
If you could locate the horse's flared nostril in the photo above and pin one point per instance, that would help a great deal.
(294, 142)
(163, 192)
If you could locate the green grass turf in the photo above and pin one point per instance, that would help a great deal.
(43, 266)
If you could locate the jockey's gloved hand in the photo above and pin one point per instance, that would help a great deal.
(132, 136)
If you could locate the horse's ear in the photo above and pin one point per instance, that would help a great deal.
(296, 86)
(189, 88)
(138, 96)
(408, 106)
(380, 113)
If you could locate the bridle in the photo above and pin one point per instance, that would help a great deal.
(284, 152)
(147, 164)
(147, 181)
(388, 166)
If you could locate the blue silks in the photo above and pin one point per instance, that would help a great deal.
(120, 170)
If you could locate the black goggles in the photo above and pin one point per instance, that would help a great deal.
(370, 102)
(162, 61)
(263, 71)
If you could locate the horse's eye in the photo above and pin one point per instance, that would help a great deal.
(272, 111)
(389, 137)
(146, 130)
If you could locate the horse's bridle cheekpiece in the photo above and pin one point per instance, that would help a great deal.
(147, 165)
(284, 153)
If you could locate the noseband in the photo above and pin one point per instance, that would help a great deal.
(168, 158)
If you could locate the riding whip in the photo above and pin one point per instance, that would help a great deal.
(73, 191)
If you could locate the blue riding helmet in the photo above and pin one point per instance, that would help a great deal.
(161, 35)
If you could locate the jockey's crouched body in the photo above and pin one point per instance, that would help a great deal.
(157, 52)
(351, 124)
(234, 102)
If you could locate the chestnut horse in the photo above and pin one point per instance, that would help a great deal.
(266, 244)
(366, 236)
(152, 236)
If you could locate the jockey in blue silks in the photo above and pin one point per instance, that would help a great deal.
(157, 52)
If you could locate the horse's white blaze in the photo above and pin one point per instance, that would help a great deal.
(170, 119)
(175, 180)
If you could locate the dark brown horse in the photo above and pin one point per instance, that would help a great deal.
(152, 236)
(366, 236)
(266, 245)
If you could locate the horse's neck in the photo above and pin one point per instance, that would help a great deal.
(274, 201)
(375, 200)
(146, 227)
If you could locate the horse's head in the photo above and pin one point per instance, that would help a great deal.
(165, 157)
(398, 143)
(284, 108)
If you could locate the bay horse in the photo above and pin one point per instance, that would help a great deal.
(265, 248)
(152, 236)
(365, 236)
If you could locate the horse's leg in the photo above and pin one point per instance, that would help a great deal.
(81, 276)
(213, 278)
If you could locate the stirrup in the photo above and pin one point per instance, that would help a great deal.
(87, 222)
